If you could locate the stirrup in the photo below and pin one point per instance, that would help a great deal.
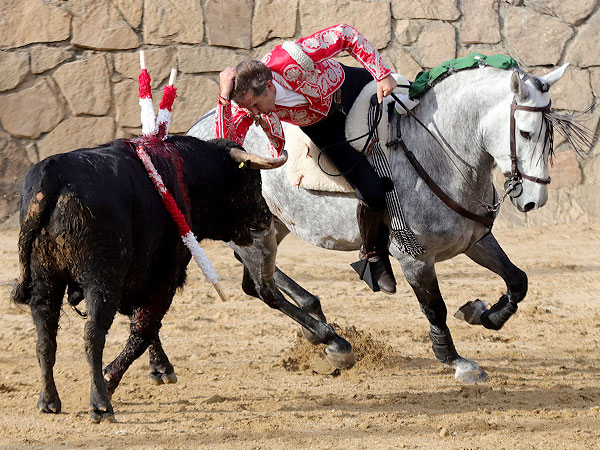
(365, 270)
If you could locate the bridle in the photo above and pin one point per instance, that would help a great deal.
(514, 183)
(513, 186)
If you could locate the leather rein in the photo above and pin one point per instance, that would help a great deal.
(513, 186)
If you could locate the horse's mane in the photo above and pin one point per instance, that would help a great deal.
(569, 126)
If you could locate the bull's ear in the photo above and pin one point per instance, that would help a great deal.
(555, 75)
(519, 87)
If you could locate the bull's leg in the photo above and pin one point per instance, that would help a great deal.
(259, 259)
(144, 327)
(488, 253)
(45, 309)
(161, 369)
(422, 278)
(101, 310)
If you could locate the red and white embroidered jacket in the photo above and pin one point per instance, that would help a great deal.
(306, 67)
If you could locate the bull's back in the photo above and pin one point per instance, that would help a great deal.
(90, 214)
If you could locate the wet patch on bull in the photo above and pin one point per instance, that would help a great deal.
(34, 206)
(56, 246)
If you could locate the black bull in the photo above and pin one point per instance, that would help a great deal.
(92, 223)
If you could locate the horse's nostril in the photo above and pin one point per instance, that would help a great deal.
(529, 206)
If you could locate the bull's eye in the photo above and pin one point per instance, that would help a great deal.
(525, 134)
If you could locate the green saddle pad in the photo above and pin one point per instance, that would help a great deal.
(425, 80)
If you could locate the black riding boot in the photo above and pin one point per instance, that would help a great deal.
(374, 236)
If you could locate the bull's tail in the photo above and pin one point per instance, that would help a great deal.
(39, 199)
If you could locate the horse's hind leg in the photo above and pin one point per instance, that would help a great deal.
(423, 280)
(259, 260)
(45, 302)
(488, 253)
(305, 300)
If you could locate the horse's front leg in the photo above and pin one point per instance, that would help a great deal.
(422, 278)
(488, 253)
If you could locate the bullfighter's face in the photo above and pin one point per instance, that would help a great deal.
(260, 104)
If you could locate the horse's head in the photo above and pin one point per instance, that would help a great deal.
(524, 146)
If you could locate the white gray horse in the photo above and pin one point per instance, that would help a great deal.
(470, 114)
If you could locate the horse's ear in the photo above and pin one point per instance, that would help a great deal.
(555, 75)
(519, 87)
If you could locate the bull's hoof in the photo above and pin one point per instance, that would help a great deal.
(162, 378)
(102, 413)
(471, 312)
(49, 406)
(469, 372)
(340, 354)
(98, 416)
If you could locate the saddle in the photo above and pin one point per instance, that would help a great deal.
(302, 168)
(356, 122)
(361, 120)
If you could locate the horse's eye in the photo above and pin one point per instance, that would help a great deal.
(525, 134)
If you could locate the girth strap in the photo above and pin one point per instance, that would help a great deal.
(402, 234)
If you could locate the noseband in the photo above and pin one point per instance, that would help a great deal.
(513, 185)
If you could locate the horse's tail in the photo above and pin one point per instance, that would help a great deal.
(38, 198)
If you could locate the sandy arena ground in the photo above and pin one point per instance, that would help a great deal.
(247, 381)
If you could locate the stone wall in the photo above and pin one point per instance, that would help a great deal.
(68, 68)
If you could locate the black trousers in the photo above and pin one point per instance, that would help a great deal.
(329, 135)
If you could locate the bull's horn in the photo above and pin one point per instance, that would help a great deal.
(257, 162)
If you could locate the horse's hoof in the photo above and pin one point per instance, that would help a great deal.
(471, 312)
(469, 372)
(342, 361)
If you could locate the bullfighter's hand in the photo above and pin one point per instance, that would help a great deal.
(226, 81)
(385, 87)
(260, 121)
